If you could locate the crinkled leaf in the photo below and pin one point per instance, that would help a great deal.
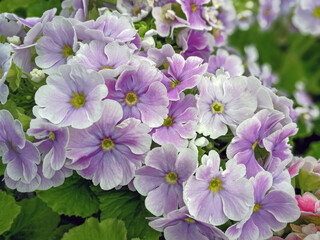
(36, 221)
(74, 197)
(111, 229)
(308, 181)
(128, 206)
(58, 232)
(9, 211)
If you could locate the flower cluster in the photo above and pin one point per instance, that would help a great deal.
(196, 128)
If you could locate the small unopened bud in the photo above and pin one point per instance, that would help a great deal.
(37, 75)
(14, 40)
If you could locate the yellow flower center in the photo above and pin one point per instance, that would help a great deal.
(136, 11)
(256, 207)
(52, 136)
(215, 185)
(174, 83)
(67, 51)
(171, 178)
(194, 7)
(217, 107)
(131, 98)
(107, 144)
(105, 67)
(168, 121)
(255, 144)
(189, 220)
(267, 11)
(78, 100)
(316, 12)
(13, 147)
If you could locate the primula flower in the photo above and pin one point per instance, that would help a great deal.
(195, 43)
(307, 17)
(108, 28)
(230, 63)
(249, 139)
(180, 125)
(166, 18)
(269, 10)
(79, 9)
(58, 43)
(20, 155)
(183, 74)
(179, 224)
(309, 206)
(52, 141)
(109, 59)
(137, 9)
(163, 176)
(5, 65)
(223, 101)
(9, 27)
(159, 56)
(141, 94)
(193, 11)
(271, 211)
(214, 196)
(109, 151)
(72, 97)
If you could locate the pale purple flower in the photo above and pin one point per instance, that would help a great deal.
(9, 27)
(5, 65)
(223, 101)
(163, 176)
(196, 43)
(136, 9)
(109, 59)
(229, 62)
(267, 77)
(51, 141)
(58, 43)
(20, 155)
(262, 131)
(166, 19)
(181, 123)
(30, 22)
(179, 224)
(252, 60)
(271, 211)
(72, 97)
(245, 19)
(193, 11)
(214, 196)
(183, 74)
(141, 94)
(268, 12)
(109, 151)
(79, 9)
(159, 56)
(108, 28)
(307, 17)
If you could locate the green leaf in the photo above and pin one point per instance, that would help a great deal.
(314, 150)
(111, 229)
(74, 197)
(2, 167)
(25, 120)
(9, 211)
(14, 77)
(308, 182)
(58, 232)
(93, 13)
(36, 221)
(3, 38)
(129, 207)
